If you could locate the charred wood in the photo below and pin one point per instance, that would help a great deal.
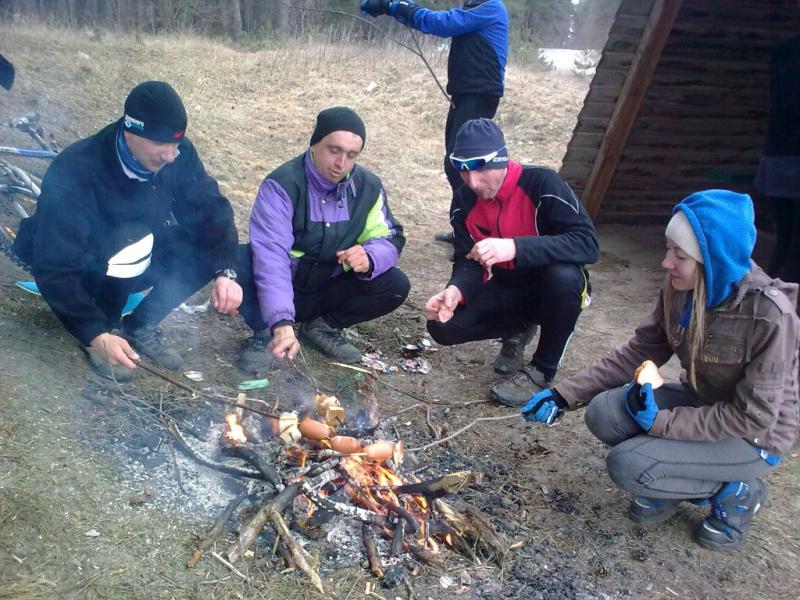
(397, 538)
(207, 462)
(268, 472)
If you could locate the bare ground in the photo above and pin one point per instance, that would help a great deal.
(73, 450)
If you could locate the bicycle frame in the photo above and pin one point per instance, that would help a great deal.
(28, 152)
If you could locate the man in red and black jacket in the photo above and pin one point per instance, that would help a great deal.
(522, 239)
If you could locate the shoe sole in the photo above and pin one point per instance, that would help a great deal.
(665, 516)
(508, 403)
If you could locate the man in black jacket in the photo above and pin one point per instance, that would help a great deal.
(126, 209)
(522, 239)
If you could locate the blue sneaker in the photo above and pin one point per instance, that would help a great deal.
(732, 509)
(651, 510)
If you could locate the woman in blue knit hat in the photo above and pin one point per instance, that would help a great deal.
(711, 438)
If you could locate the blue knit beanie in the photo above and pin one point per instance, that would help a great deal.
(724, 225)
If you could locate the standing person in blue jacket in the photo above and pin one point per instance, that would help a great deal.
(476, 64)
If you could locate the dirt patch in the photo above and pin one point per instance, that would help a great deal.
(74, 451)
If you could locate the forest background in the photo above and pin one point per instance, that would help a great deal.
(573, 24)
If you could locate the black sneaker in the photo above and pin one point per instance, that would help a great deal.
(517, 390)
(651, 510)
(732, 509)
(255, 357)
(148, 342)
(511, 356)
(329, 341)
(447, 238)
(102, 367)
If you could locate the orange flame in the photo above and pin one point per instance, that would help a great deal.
(235, 431)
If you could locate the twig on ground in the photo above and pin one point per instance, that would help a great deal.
(233, 569)
(178, 476)
(217, 529)
(462, 430)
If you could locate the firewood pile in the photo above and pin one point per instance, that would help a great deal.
(309, 467)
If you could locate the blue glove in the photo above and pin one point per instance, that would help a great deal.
(403, 11)
(546, 407)
(375, 8)
(641, 404)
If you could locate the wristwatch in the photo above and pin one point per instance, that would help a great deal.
(229, 273)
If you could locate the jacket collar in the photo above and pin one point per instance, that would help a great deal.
(756, 279)
(513, 172)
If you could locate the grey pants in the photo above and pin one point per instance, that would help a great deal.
(662, 468)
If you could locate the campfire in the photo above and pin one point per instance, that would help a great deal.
(311, 465)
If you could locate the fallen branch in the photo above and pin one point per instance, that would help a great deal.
(462, 430)
(216, 530)
(233, 569)
(300, 557)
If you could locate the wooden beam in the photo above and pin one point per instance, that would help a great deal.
(654, 38)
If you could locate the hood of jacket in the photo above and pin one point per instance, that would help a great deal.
(724, 224)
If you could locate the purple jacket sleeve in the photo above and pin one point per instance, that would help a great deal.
(271, 241)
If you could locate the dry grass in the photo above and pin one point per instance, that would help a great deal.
(251, 111)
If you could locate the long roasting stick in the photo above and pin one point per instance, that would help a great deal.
(215, 397)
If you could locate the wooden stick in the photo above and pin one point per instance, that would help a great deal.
(250, 532)
(215, 397)
(233, 569)
(397, 539)
(426, 555)
(238, 471)
(462, 430)
(267, 471)
(301, 558)
(215, 531)
(375, 565)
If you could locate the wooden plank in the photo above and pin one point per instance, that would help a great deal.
(636, 8)
(655, 36)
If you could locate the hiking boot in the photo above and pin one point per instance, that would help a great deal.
(102, 367)
(732, 509)
(255, 357)
(517, 390)
(148, 342)
(329, 341)
(447, 238)
(651, 510)
(510, 360)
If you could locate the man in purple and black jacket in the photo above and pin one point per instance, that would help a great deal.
(323, 249)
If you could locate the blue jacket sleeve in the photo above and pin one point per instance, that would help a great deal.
(456, 21)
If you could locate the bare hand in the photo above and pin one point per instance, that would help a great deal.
(440, 307)
(355, 257)
(226, 296)
(284, 344)
(491, 251)
(114, 350)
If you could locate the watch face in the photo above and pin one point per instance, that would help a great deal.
(229, 273)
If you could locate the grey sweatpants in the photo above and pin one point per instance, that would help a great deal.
(662, 468)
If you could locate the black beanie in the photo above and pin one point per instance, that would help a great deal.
(338, 118)
(153, 110)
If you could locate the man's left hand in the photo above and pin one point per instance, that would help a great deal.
(355, 257)
(491, 251)
(226, 296)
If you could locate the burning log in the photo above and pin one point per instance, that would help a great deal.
(216, 530)
(445, 485)
(250, 532)
(375, 565)
(401, 512)
(340, 508)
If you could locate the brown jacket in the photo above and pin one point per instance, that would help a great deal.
(747, 372)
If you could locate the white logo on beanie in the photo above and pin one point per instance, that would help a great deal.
(131, 123)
